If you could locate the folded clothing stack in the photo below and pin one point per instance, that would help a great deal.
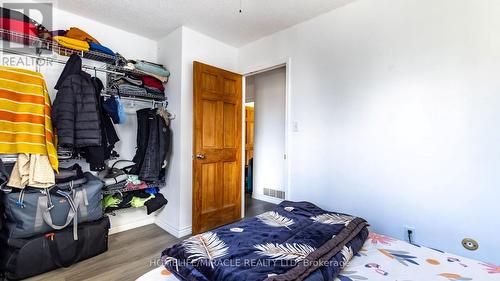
(152, 75)
(153, 69)
(149, 198)
(132, 90)
(128, 79)
(68, 174)
(113, 177)
(77, 39)
(153, 85)
(145, 86)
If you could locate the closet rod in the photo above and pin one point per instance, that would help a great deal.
(14, 52)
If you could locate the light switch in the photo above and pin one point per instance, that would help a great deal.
(295, 126)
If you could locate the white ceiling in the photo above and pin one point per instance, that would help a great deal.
(219, 19)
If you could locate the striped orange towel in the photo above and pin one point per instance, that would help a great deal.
(25, 110)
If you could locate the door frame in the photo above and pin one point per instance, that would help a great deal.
(256, 69)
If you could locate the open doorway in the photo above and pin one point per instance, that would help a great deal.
(265, 139)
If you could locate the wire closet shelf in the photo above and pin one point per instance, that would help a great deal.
(39, 46)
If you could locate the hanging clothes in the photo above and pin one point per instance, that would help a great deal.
(25, 114)
(153, 141)
(32, 170)
(74, 113)
(96, 155)
(165, 115)
(115, 109)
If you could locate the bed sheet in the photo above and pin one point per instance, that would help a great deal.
(386, 258)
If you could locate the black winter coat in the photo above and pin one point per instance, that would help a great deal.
(74, 112)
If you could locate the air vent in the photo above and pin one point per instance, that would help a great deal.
(274, 193)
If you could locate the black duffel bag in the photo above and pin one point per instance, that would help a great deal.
(4, 178)
(23, 258)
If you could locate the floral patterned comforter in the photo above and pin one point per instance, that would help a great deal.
(387, 259)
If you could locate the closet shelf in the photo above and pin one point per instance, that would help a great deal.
(49, 45)
(117, 211)
(120, 188)
(139, 96)
(121, 69)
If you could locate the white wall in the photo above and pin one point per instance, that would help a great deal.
(170, 53)
(397, 106)
(269, 131)
(194, 47)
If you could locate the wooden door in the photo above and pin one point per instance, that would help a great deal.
(217, 151)
(249, 129)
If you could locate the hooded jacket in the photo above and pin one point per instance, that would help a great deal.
(74, 112)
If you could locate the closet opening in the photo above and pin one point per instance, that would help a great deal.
(265, 139)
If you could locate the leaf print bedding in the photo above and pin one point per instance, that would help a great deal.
(295, 241)
(383, 258)
(206, 246)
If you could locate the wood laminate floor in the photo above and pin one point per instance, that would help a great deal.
(132, 253)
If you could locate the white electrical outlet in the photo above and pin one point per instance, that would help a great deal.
(409, 234)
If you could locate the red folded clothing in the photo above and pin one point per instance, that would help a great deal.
(152, 82)
(24, 28)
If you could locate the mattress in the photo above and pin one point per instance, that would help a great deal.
(293, 241)
(386, 258)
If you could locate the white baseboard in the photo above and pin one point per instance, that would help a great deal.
(131, 218)
(185, 231)
(266, 198)
(172, 229)
(131, 225)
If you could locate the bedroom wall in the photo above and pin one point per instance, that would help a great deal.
(170, 53)
(129, 45)
(397, 110)
(269, 131)
(194, 47)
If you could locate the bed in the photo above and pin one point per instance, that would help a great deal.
(371, 256)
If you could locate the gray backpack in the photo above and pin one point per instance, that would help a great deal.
(36, 211)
